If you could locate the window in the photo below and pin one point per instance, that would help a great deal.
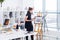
(51, 5)
(51, 18)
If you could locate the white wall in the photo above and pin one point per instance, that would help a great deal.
(1, 17)
(20, 5)
(12, 4)
(28, 3)
(38, 5)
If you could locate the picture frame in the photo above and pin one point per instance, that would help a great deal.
(38, 20)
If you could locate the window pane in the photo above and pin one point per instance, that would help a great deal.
(51, 5)
(51, 20)
(59, 21)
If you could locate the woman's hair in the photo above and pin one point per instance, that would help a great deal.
(6, 22)
(30, 8)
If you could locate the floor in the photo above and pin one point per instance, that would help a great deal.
(51, 35)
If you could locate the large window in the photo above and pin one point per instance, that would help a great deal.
(51, 18)
(51, 5)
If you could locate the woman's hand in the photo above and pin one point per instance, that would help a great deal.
(33, 19)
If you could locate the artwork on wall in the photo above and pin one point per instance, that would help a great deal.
(38, 19)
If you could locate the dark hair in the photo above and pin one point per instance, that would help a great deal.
(30, 8)
(10, 14)
(6, 20)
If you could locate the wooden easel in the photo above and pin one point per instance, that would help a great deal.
(39, 29)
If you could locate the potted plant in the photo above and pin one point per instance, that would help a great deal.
(1, 1)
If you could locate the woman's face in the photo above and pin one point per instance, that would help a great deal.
(31, 11)
(7, 22)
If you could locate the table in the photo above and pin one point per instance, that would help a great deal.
(14, 35)
(11, 35)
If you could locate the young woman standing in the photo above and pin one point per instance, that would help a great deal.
(28, 22)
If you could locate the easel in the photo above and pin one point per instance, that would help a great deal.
(39, 29)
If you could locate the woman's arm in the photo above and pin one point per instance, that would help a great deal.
(26, 19)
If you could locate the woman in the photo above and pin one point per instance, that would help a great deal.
(28, 22)
(6, 22)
